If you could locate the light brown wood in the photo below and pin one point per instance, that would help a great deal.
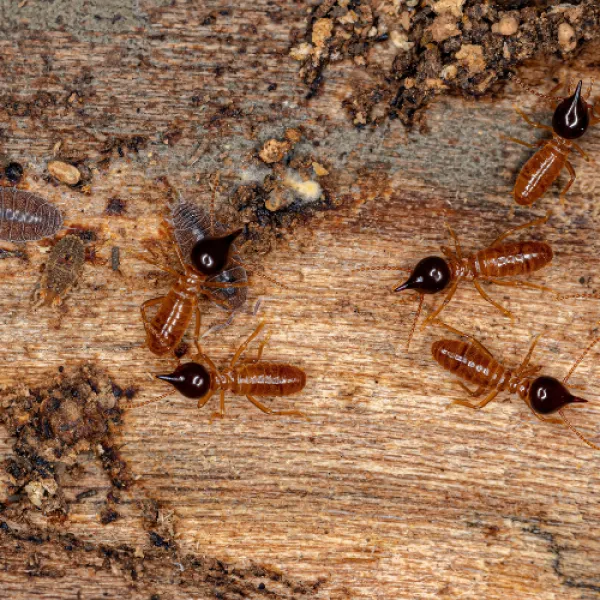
(386, 492)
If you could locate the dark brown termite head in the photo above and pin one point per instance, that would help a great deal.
(572, 116)
(192, 380)
(548, 395)
(211, 254)
(430, 276)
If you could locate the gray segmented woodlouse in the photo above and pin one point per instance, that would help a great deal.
(26, 217)
(190, 225)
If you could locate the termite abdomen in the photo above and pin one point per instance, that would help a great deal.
(269, 379)
(571, 117)
(507, 260)
(25, 217)
(548, 395)
(431, 275)
(466, 361)
(192, 380)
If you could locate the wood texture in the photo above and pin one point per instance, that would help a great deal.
(384, 493)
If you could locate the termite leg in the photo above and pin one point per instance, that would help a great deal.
(527, 358)
(269, 411)
(578, 361)
(465, 335)
(443, 305)
(569, 183)
(533, 123)
(584, 154)
(199, 350)
(523, 284)
(509, 232)
(155, 264)
(473, 393)
(203, 401)
(484, 295)
(456, 242)
(262, 347)
(518, 141)
(478, 405)
(221, 413)
(447, 252)
(245, 344)
(145, 306)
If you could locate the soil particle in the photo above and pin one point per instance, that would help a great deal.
(445, 47)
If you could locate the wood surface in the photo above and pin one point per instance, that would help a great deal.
(385, 492)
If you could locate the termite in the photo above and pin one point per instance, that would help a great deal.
(435, 274)
(25, 217)
(571, 119)
(250, 378)
(209, 257)
(474, 363)
(190, 225)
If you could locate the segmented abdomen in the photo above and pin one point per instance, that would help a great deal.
(268, 379)
(468, 362)
(25, 217)
(170, 323)
(538, 174)
(508, 260)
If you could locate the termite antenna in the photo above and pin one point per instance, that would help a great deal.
(531, 90)
(214, 187)
(578, 433)
(594, 295)
(361, 269)
(146, 402)
(414, 325)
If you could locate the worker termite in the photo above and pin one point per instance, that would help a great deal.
(474, 363)
(25, 217)
(571, 119)
(248, 378)
(435, 274)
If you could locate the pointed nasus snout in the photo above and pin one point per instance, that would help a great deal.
(192, 380)
(211, 254)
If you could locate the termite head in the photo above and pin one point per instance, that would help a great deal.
(572, 116)
(431, 275)
(192, 380)
(547, 395)
(211, 254)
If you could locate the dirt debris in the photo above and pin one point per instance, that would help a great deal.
(55, 429)
(64, 172)
(434, 47)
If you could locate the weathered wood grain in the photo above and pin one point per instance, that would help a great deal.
(383, 493)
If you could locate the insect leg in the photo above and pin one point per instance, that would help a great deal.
(569, 183)
(484, 295)
(245, 344)
(146, 305)
(262, 347)
(473, 393)
(465, 335)
(155, 264)
(533, 123)
(510, 232)
(523, 366)
(584, 154)
(443, 305)
(456, 242)
(478, 405)
(221, 413)
(518, 141)
(269, 411)
(523, 284)
(204, 400)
